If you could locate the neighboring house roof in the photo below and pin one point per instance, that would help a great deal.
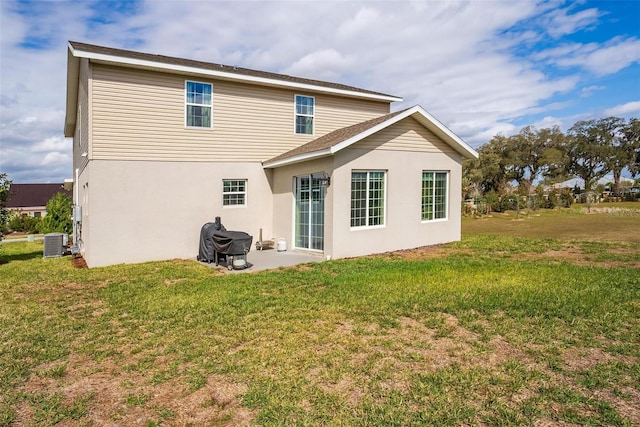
(337, 140)
(571, 183)
(32, 195)
(187, 66)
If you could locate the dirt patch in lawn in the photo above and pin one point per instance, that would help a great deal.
(610, 211)
(588, 358)
(78, 262)
(425, 252)
(628, 408)
(388, 359)
(116, 397)
(628, 256)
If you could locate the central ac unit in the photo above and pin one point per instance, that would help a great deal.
(53, 245)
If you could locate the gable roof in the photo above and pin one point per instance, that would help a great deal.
(133, 59)
(339, 139)
(32, 195)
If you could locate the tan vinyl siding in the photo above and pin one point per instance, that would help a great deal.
(406, 135)
(139, 115)
(81, 134)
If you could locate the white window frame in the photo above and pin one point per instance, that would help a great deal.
(296, 115)
(433, 196)
(243, 193)
(384, 205)
(186, 104)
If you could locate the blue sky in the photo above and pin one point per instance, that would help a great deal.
(480, 67)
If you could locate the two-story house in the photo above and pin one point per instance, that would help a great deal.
(162, 145)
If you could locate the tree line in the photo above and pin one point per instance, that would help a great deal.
(590, 150)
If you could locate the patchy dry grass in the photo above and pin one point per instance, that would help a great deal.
(492, 330)
(606, 222)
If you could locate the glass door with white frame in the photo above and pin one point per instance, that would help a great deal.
(309, 226)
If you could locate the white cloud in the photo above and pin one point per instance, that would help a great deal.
(629, 108)
(55, 143)
(619, 53)
(480, 134)
(561, 22)
(331, 63)
(548, 122)
(364, 19)
(586, 92)
(55, 158)
(600, 59)
(564, 50)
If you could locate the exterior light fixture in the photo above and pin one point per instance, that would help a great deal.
(325, 179)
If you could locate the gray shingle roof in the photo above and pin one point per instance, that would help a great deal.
(31, 195)
(333, 138)
(231, 70)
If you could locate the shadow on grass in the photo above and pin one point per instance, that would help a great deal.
(25, 256)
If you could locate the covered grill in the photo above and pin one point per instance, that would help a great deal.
(207, 251)
(216, 244)
(234, 246)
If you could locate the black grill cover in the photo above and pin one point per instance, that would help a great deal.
(231, 242)
(207, 252)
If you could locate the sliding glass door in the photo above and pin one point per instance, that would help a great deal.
(309, 227)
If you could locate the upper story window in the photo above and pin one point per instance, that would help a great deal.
(367, 198)
(434, 195)
(198, 104)
(305, 110)
(234, 192)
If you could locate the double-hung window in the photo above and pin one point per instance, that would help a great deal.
(234, 192)
(305, 110)
(198, 104)
(367, 198)
(434, 195)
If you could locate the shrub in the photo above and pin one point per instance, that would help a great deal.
(493, 200)
(566, 198)
(19, 221)
(537, 201)
(58, 218)
(552, 200)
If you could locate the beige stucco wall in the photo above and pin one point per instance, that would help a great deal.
(403, 227)
(143, 211)
(82, 193)
(404, 151)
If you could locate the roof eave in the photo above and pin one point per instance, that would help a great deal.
(297, 159)
(159, 65)
(443, 132)
(73, 74)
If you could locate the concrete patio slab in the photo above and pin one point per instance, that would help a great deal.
(269, 259)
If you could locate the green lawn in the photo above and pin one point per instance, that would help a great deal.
(506, 327)
(613, 222)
